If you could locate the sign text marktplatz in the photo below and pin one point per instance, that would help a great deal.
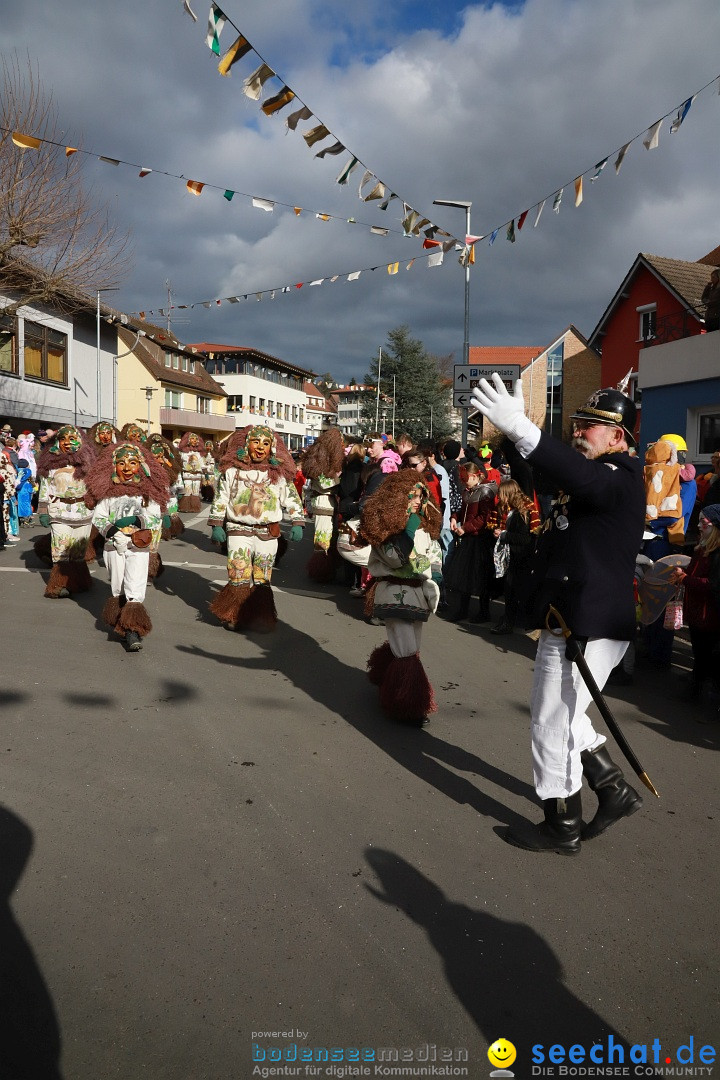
(468, 376)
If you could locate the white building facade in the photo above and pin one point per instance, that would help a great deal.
(261, 389)
(52, 370)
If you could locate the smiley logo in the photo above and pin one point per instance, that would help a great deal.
(502, 1054)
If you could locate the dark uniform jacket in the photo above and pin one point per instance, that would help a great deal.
(585, 561)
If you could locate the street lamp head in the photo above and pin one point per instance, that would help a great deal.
(461, 204)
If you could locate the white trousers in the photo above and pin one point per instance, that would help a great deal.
(561, 728)
(404, 636)
(128, 572)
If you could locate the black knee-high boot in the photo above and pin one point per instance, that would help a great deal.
(558, 833)
(615, 796)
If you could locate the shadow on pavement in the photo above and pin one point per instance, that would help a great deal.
(505, 976)
(345, 691)
(29, 1030)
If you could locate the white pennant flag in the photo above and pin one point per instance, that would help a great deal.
(537, 216)
(263, 204)
(621, 156)
(436, 258)
(252, 86)
(354, 276)
(557, 201)
(652, 138)
(189, 10)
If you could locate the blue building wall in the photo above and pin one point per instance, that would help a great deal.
(665, 408)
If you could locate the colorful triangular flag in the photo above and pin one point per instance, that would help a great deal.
(252, 86)
(216, 21)
(239, 48)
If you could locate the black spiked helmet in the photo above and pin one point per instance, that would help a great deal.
(610, 407)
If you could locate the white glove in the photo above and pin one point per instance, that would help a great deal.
(120, 542)
(505, 412)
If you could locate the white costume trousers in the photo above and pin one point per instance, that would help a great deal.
(561, 728)
(404, 636)
(128, 572)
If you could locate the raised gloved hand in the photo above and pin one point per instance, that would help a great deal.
(218, 535)
(505, 411)
(296, 533)
(44, 520)
(126, 522)
(413, 524)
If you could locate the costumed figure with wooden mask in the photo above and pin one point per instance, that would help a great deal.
(322, 464)
(62, 469)
(403, 524)
(192, 467)
(127, 490)
(254, 489)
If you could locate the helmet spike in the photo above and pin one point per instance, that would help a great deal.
(623, 384)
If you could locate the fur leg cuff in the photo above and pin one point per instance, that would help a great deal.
(378, 663)
(406, 693)
(78, 574)
(133, 616)
(155, 566)
(58, 580)
(259, 613)
(176, 525)
(228, 602)
(321, 567)
(189, 504)
(111, 611)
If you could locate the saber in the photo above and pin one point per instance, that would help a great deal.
(578, 658)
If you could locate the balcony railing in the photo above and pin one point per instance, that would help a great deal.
(671, 328)
(186, 418)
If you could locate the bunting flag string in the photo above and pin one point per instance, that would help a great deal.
(196, 187)
(252, 88)
(650, 139)
(321, 131)
(434, 258)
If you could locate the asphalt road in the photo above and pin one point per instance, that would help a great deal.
(221, 838)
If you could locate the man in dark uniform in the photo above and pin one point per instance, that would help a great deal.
(584, 566)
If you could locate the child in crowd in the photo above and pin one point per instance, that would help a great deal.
(514, 524)
(468, 570)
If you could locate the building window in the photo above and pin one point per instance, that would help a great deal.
(261, 406)
(708, 432)
(235, 403)
(252, 403)
(176, 362)
(287, 412)
(294, 414)
(168, 359)
(45, 353)
(173, 399)
(203, 405)
(8, 345)
(302, 416)
(271, 408)
(648, 321)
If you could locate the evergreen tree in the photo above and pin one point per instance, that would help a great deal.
(422, 397)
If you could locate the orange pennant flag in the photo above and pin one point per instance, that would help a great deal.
(70, 150)
(25, 142)
(194, 187)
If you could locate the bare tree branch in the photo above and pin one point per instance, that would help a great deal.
(56, 245)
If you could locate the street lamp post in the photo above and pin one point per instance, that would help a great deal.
(149, 391)
(393, 412)
(466, 206)
(98, 391)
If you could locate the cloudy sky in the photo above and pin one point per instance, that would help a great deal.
(500, 104)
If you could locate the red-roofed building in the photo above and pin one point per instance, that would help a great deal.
(557, 378)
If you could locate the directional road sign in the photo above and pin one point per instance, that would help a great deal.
(468, 376)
